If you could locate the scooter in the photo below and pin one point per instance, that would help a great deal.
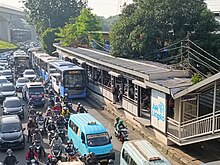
(38, 149)
(51, 135)
(61, 132)
(32, 162)
(41, 126)
(56, 152)
(123, 135)
(66, 120)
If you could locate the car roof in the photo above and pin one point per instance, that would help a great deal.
(3, 77)
(7, 84)
(22, 78)
(7, 119)
(13, 98)
(28, 70)
(6, 70)
(34, 84)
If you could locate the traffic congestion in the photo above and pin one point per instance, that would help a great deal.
(41, 115)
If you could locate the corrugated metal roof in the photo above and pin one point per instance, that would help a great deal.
(213, 5)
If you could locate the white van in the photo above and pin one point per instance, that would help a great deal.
(141, 152)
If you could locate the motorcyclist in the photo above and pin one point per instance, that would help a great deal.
(117, 121)
(57, 99)
(31, 154)
(56, 109)
(10, 159)
(82, 109)
(56, 142)
(65, 99)
(91, 159)
(120, 126)
(31, 125)
(65, 111)
(60, 121)
(40, 117)
(52, 97)
(69, 147)
(51, 160)
(32, 113)
(51, 126)
(37, 137)
(49, 112)
(78, 106)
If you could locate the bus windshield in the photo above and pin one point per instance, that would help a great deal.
(74, 80)
(98, 139)
(22, 62)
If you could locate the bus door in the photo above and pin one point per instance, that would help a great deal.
(56, 83)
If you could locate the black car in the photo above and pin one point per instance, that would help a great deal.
(13, 106)
(11, 132)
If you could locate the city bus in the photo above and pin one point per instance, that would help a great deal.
(21, 62)
(68, 78)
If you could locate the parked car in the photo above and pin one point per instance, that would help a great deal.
(11, 132)
(3, 80)
(8, 74)
(33, 93)
(6, 90)
(21, 81)
(13, 106)
(30, 74)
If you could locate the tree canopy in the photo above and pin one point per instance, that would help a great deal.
(52, 13)
(148, 25)
(77, 32)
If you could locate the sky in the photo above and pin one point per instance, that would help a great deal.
(104, 8)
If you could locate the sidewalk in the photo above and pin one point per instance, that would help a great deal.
(146, 132)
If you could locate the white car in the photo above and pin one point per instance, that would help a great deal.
(21, 81)
(7, 90)
(3, 80)
(30, 74)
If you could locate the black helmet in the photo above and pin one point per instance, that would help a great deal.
(31, 147)
(40, 113)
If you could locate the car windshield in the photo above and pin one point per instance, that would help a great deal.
(12, 104)
(36, 90)
(98, 139)
(3, 81)
(10, 128)
(29, 72)
(7, 88)
(6, 72)
(23, 80)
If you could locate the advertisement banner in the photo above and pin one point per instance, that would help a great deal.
(158, 110)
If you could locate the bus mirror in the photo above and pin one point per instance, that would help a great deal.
(83, 141)
(110, 137)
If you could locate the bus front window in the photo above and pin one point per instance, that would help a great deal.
(74, 81)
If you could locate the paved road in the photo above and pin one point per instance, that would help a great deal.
(101, 115)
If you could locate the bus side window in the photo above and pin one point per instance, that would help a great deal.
(128, 159)
(74, 127)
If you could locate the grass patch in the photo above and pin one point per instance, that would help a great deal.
(7, 45)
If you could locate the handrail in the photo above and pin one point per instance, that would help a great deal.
(173, 121)
(195, 121)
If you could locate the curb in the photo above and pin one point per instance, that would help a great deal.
(169, 151)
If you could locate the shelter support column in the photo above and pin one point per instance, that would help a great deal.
(180, 116)
(214, 106)
(5, 30)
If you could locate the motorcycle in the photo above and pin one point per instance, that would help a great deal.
(51, 135)
(72, 156)
(41, 126)
(38, 149)
(32, 162)
(66, 120)
(61, 132)
(56, 152)
(122, 134)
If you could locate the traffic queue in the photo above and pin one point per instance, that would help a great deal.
(56, 123)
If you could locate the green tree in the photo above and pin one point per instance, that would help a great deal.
(107, 23)
(47, 40)
(77, 32)
(147, 25)
(52, 13)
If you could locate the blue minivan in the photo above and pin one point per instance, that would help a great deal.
(89, 135)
